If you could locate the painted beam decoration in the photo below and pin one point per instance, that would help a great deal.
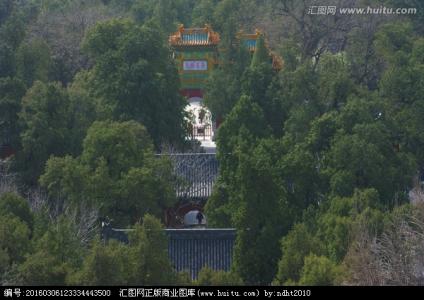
(195, 65)
(195, 52)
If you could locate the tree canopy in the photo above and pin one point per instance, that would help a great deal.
(321, 161)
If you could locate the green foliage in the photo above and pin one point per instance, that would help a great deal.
(246, 118)
(256, 81)
(261, 54)
(14, 205)
(144, 261)
(135, 77)
(223, 88)
(33, 62)
(334, 81)
(365, 67)
(299, 96)
(401, 85)
(166, 14)
(12, 32)
(122, 145)
(203, 12)
(83, 111)
(209, 277)
(394, 40)
(43, 269)
(116, 172)
(216, 208)
(14, 238)
(296, 245)
(289, 52)
(222, 91)
(312, 155)
(16, 225)
(49, 127)
(148, 252)
(105, 264)
(260, 212)
(326, 234)
(65, 176)
(366, 157)
(56, 255)
(318, 270)
(6, 8)
(11, 92)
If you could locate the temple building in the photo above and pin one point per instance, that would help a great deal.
(195, 51)
(250, 39)
(191, 248)
(196, 54)
(191, 244)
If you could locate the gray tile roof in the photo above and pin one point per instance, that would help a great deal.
(197, 173)
(192, 249)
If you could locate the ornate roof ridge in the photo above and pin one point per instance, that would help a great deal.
(196, 36)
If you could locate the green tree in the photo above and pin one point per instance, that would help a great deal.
(245, 124)
(135, 77)
(400, 85)
(261, 54)
(296, 245)
(57, 254)
(45, 130)
(261, 84)
(15, 205)
(336, 224)
(334, 81)
(246, 118)
(217, 208)
(105, 264)
(166, 14)
(14, 239)
(223, 88)
(210, 277)
(11, 90)
(325, 235)
(144, 261)
(54, 122)
(12, 32)
(299, 96)
(203, 12)
(260, 213)
(33, 62)
(41, 268)
(366, 159)
(117, 172)
(83, 110)
(318, 270)
(6, 8)
(148, 254)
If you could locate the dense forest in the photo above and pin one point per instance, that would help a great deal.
(320, 162)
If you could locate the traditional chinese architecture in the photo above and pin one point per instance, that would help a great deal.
(250, 39)
(192, 248)
(191, 245)
(196, 54)
(195, 51)
(196, 173)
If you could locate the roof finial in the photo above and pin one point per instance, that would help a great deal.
(181, 28)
